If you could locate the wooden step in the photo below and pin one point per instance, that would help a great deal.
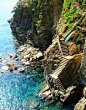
(64, 63)
(64, 46)
(52, 76)
(64, 60)
(65, 50)
(65, 54)
(59, 70)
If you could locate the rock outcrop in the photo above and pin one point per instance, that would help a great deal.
(35, 22)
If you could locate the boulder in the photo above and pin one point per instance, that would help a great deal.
(11, 63)
(81, 105)
(22, 69)
(39, 54)
(27, 56)
(4, 68)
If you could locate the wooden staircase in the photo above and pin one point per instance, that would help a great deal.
(53, 79)
(64, 48)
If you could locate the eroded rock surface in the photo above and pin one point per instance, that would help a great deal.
(34, 22)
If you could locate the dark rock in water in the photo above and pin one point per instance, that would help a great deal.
(81, 105)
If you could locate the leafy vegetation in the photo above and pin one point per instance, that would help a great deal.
(72, 14)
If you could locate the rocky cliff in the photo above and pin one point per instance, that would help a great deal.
(34, 21)
(37, 23)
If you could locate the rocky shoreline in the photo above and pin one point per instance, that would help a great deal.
(24, 58)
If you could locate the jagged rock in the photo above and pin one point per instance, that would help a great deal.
(4, 68)
(38, 31)
(11, 63)
(81, 105)
(69, 93)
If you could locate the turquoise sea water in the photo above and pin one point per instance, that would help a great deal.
(20, 91)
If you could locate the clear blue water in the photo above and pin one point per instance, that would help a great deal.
(19, 91)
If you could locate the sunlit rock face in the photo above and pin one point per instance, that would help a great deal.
(35, 22)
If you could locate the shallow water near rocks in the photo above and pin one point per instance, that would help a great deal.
(19, 91)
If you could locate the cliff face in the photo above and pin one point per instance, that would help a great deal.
(34, 21)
